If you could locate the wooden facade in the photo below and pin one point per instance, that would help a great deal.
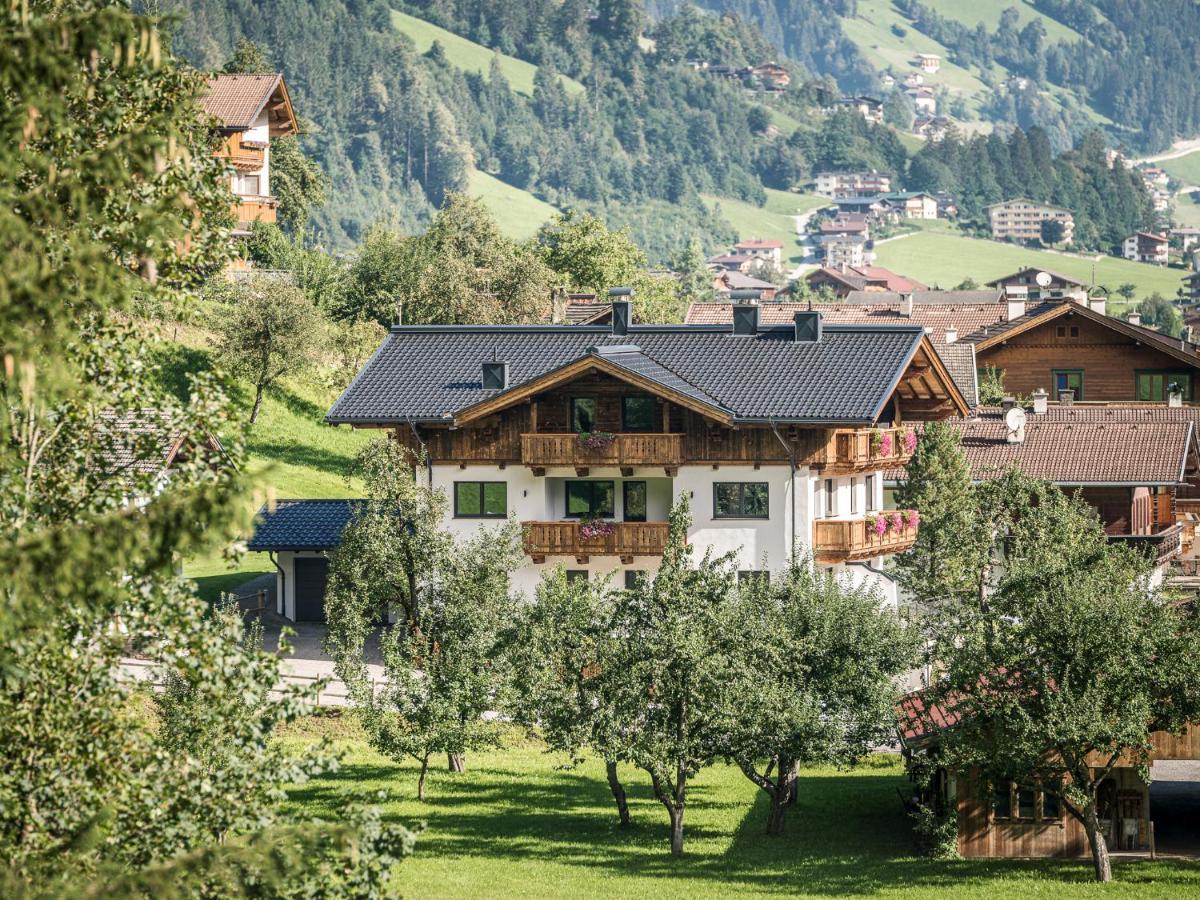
(854, 540)
(1106, 357)
(850, 450)
(625, 539)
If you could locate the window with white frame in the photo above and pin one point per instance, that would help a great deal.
(830, 498)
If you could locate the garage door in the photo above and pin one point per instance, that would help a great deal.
(311, 575)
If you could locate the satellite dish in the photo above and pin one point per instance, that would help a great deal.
(1015, 419)
(1043, 279)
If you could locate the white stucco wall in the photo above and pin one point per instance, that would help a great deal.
(285, 582)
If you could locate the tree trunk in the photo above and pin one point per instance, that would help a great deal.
(1091, 824)
(457, 762)
(618, 792)
(258, 395)
(793, 784)
(775, 813)
(676, 830)
(421, 780)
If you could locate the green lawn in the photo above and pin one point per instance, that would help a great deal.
(1187, 210)
(771, 221)
(988, 12)
(293, 453)
(1184, 168)
(517, 824)
(471, 57)
(945, 259)
(518, 213)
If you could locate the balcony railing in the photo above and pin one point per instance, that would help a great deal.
(254, 209)
(540, 451)
(854, 540)
(862, 449)
(626, 539)
(245, 157)
(1160, 547)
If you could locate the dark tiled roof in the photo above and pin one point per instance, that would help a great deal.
(303, 524)
(959, 359)
(238, 99)
(741, 281)
(632, 360)
(430, 373)
(1057, 276)
(587, 313)
(140, 441)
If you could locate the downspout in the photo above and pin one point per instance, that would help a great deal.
(282, 601)
(791, 452)
(424, 452)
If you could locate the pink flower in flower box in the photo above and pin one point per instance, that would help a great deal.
(896, 520)
(885, 444)
(910, 442)
(913, 519)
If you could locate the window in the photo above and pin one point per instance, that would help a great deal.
(576, 575)
(634, 495)
(480, 499)
(740, 500)
(631, 578)
(583, 414)
(1002, 801)
(250, 185)
(1063, 331)
(1157, 385)
(1050, 807)
(870, 488)
(1068, 380)
(638, 413)
(590, 499)
(853, 496)
(1025, 798)
(830, 498)
(753, 576)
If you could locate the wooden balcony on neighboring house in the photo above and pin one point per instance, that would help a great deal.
(1160, 546)
(245, 156)
(855, 540)
(249, 210)
(542, 451)
(626, 540)
(850, 450)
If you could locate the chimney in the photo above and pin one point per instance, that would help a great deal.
(1040, 400)
(1185, 337)
(622, 309)
(1016, 307)
(1099, 305)
(1134, 317)
(808, 327)
(495, 376)
(951, 335)
(745, 312)
(1066, 398)
(906, 304)
(1008, 403)
(1174, 395)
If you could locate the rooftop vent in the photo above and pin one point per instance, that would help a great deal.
(745, 313)
(1066, 398)
(906, 305)
(809, 327)
(1099, 305)
(622, 309)
(1134, 317)
(1040, 401)
(495, 375)
(951, 335)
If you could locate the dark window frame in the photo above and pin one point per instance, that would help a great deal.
(1167, 379)
(625, 485)
(459, 514)
(611, 514)
(741, 514)
(647, 398)
(573, 418)
(577, 575)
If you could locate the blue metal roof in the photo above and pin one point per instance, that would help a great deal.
(303, 524)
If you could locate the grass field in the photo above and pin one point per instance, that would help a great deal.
(518, 213)
(944, 259)
(516, 824)
(771, 221)
(988, 12)
(1187, 210)
(471, 57)
(293, 453)
(1183, 168)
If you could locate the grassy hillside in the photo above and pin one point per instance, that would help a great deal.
(472, 57)
(988, 12)
(1183, 168)
(772, 221)
(518, 823)
(518, 213)
(945, 259)
(293, 453)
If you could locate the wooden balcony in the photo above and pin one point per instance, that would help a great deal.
(1160, 547)
(244, 157)
(850, 450)
(627, 540)
(854, 540)
(541, 451)
(249, 210)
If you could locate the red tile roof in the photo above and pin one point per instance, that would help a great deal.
(237, 100)
(759, 244)
(858, 277)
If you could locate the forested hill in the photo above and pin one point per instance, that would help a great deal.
(603, 122)
(1129, 66)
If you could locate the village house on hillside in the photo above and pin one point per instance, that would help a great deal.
(758, 248)
(852, 184)
(844, 279)
(1147, 247)
(1021, 220)
(588, 435)
(929, 62)
(252, 110)
(870, 108)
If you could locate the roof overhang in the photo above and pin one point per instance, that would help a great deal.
(932, 372)
(573, 370)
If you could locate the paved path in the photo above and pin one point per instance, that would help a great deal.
(1178, 149)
